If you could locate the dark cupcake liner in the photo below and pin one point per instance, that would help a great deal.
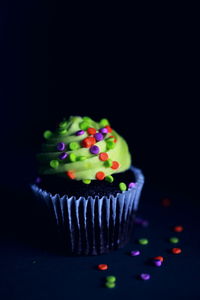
(94, 225)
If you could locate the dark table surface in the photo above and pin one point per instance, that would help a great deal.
(33, 267)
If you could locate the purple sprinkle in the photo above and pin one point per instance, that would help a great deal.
(145, 276)
(80, 132)
(135, 253)
(63, 155)
(38, 180)
(94, 149)
(131, 185)
(98, 136)
(157, 262)
(104, 130)
(60, 146)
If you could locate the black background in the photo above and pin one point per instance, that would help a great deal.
(137, 70)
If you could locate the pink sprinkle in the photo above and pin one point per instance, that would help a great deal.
(131, 185)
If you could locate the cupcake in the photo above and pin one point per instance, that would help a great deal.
(89, 185)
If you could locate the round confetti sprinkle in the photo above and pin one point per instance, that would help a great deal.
(60, 146)
(122, 186)
(104, 122)
(74, 146)
(91, 130)
(62, 131)
(145, 276)
(54, 163)
(72, 157)
(88, 142)
(143, 241)
(70, 174)
(80, 132)
(103, 156)
(108, 163)
(176, 250)
(103, 267)
(63, 124)
(84, 125)
(166, 202)
(98, 136)
(135, 253)
(157, 263)
(110, 285)
(115, 165)
(110, 144)
(178, 228)
(100, 175)
(174, 240)
(86, 181)
(47, 134)
(63, 155)
(103, 130)
(131, 185)
(81, 158)
(108, 128)
(159, 258)
(94, 149)
(109, 178)
(111, 278)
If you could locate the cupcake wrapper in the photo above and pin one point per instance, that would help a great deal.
(94, 225)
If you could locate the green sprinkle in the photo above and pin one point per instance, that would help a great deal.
(86, 181)
(87, 119)
(143, 241)
(174, 240)
(81, 158)
(104, 122)
(109, 178)
(110, 144)
(110, 285)
(54, 163)
(47, 134)
(74, 146)
(111, 279)
(84, 125)
(122, 186)
(72, 157)
(108, 163)
(63, 124)
(62, 131)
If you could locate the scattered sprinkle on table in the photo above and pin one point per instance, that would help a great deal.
(143, 241)
(122, 186)
(145, 276)
(103, 267)
(135, 253)
(174, 240)
(111, 278)
(159, 258)
(157, 262)
(178, 228)
(176, 250)
(110, 285)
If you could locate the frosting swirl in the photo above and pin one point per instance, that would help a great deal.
(84, 150)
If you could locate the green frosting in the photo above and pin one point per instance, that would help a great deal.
(80, 160)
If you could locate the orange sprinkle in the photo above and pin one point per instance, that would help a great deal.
(88, 142)
(91, 130)
(176, 250)
(108, 128)
(102, 267)
(178, 228)
(70, 174)
(100, 175)
(159, 258)
(115, 165)
(103, 156)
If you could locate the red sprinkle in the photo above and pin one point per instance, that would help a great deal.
(159, 258)
(176, 250)
(112, 136)
(178, 228)
(70, 174)
(100, 175)
(108, 128)
(88, 142)
(102, 267)
(166, 202)
(103, 156)
(91, 130)
(115, 165)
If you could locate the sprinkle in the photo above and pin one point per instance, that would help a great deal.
(176, 250)
(174, 240)
(112, 138)
(87, 119)
(103, 156)
(178, 228)
(110, 285)
(80, 132)
(54, 163)
(157, 262)
(81, 158)
(166, 202)
(72, 157)
(86, 181)
(108, 163)
(143, 241)
(47, 134)
(122, 186)
(98, 136)
(94, 149)
(111, 278)
(115, 165)
(91, 130)
(109, 178)
(88, 142)
(103, 267)
(60, 146)
(84, 125)
(108, 128)
(131, 185)
(135, 253)
(63, 155)
(159, 258)
(74, 146)
(145, 276)
(103, 130)
(62, 131)
(110, 144)
(104, 122)
(70, 174)
(63, 124)
(100, 175)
